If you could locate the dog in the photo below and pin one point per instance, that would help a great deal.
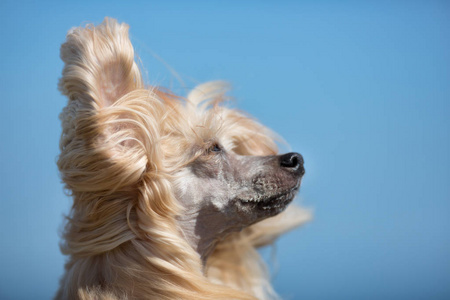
(171, 196)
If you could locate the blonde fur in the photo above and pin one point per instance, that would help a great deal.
(121, 146)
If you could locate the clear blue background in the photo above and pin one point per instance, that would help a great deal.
(361, 89)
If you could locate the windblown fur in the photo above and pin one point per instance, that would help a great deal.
(124, 147)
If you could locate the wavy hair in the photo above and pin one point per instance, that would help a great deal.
(121, 145)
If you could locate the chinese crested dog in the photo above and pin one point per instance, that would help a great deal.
(171, 196)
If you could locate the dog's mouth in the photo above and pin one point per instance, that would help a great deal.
(274, 203)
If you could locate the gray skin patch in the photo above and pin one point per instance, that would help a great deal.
(224, 192)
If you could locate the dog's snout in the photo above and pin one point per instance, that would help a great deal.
(292, 161)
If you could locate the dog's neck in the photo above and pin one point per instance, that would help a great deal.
(203, 229)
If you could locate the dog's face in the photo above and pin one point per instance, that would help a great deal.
(224, 188)
(241, 189)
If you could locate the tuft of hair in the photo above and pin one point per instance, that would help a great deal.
(118, 151)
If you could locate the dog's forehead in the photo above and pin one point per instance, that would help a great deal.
(191, 126)
(187, 133)
(200, 126)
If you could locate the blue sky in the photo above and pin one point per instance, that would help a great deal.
(360, 88)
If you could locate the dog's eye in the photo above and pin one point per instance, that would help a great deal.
(215, 148)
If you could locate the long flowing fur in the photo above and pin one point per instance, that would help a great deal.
(120, 148)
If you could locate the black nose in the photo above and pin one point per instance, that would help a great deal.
(292, 161)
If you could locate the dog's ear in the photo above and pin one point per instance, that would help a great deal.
(99, 64)
(111, 122)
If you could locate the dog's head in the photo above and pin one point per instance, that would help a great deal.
(157, 180)
(231, 176)
(141, 152)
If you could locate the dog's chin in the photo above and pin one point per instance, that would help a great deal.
(270, 205)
